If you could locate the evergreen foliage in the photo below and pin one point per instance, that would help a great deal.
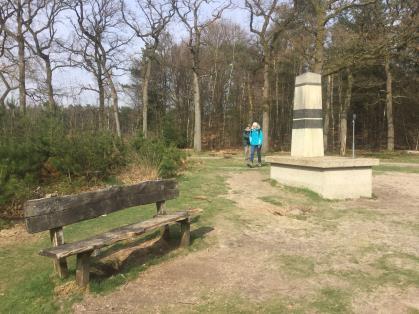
(43, 151)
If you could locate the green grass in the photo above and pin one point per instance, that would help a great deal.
(27, 281)
(325, 300)
(296, 265)
(396, 269)
(398, 156)
(311, 195)
(272, 182)
(271, 199)
(4, 224)
(330, 217)
(332, 300)
(395, 168)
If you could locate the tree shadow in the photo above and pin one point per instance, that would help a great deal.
(125, 256)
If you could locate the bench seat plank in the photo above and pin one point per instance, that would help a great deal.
(112, 236)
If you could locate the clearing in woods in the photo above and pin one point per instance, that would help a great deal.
(257, 247)
(284, 249)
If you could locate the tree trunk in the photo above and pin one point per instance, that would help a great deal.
(389, 104)
(51, 101)
(344, 114)
(114, 94)
(332, 114)
(266, 107)
(327, 113)
(319, 42)
(101, 101)
(250, 95)
(21, 58)
(277, 129)
(145, 96)
(197, 105)
(6, 91)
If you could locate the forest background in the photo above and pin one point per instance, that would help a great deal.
(168, 75)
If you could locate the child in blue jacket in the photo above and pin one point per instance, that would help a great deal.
(256, 140)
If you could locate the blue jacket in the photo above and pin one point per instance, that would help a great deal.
(256, 137)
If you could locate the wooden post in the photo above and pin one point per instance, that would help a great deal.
(161, 210)
(83, 268)
(60, 265)
(185, 233)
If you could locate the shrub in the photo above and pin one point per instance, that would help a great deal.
(42, 151)
(93, 156)
(167, 158)
(173, 135)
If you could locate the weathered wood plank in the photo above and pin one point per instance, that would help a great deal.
(57, 239)
(185, 233)
(83, 269)
(48, 213)
(113, 236)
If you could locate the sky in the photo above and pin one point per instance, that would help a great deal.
(70, 79)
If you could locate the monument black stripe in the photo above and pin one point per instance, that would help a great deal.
(308, 83)
(307, 124)
(307, 113)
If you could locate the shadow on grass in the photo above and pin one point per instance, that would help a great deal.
(127, 259)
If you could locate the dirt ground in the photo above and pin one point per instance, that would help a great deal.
(298, 253)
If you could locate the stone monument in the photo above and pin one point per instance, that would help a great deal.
(307, 167)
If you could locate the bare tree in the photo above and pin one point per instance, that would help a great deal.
(41, 24)
(12, 18)
(99, 24)
(8, 63)
(324, 11)
(8, 68)
(264, 11)
(85, 55)
(157, 15)
(189, 12)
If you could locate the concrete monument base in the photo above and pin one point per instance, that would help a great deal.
(331, 177)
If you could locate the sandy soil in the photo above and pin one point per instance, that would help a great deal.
(258, 253)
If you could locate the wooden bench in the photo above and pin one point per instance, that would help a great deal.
(56, 212)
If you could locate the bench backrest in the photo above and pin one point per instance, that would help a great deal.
(49, 213)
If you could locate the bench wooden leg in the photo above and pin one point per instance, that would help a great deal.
(60, 265)
(185, 233)
(83, 268)
(165, 233)
(161, 210)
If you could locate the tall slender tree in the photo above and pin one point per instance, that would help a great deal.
(156, 15)
(264, 11)
(189, 12)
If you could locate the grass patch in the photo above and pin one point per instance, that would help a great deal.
(272, 182)
(297, 265)
(4, 224)
(395, 269)
(311, 195)
(332, 300)
(271, 199)
(395, 168)
(397, 156)
(239, 304)
(27, 281)
(329, 217)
